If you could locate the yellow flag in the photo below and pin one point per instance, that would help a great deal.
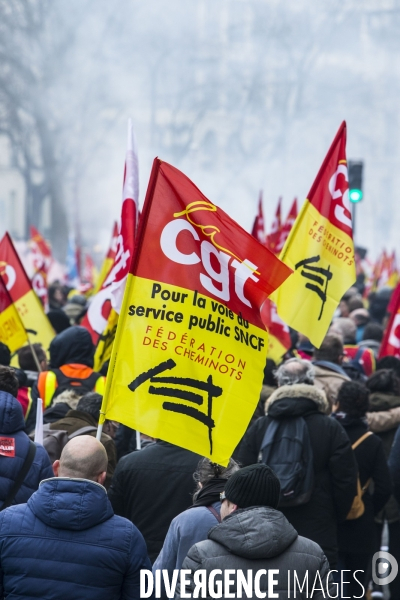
(190, 350)
(320, 250)
(12, 332)
(106, 341)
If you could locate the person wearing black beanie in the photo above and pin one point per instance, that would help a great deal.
(255, 537)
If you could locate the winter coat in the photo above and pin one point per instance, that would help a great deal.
(329, 378)
(69, 546)
(384, 409)
(358, 535)
(394, 465)
(12, 429)
(152, 486)
(76, 419)
(335, 468)
(186, 529)
(260, 538)
(72, 352)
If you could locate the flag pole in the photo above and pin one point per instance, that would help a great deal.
(35, 356)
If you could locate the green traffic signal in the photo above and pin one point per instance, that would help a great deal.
(355, 195)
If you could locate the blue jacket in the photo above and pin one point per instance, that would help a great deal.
(12, 427)
(188, 528)
(67, 544)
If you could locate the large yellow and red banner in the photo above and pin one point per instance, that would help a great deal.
(12, 332)
(22, 295)
(188, 358)
(320, 250)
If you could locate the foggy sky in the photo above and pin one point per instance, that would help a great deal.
(241, 95)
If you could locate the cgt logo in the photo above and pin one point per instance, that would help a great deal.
(384, 568)
(8, 274)
(208, 252)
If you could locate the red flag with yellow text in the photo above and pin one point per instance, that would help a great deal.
(190, 349)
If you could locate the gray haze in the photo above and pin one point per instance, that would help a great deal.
(238, 94)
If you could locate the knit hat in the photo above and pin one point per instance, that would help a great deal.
(255, 485)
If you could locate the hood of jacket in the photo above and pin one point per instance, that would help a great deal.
(72, 346)
(11, 415)
(288, 398)
(379, 401)
(73, 504)
(255, 532)
(323, 369)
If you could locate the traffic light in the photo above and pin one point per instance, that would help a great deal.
(355, 180)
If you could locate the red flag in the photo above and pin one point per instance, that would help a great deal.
(279, 340)
(273, 237)
(113, 287)
(391, 341)
(21, 292)
(258, 230)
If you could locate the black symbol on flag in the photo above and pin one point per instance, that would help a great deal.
(213, 391)
(318, 275)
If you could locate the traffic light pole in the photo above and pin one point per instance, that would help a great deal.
(353, 219)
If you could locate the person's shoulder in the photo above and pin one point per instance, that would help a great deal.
(307, 547)
(127, 533)
(12, 518)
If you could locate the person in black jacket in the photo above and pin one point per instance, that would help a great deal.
(151, 487)
(357, 536)
(254, 536)
(335, 468)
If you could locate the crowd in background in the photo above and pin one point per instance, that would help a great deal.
(344, 399)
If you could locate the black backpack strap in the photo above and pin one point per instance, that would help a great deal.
(21, 476)
(215, 513)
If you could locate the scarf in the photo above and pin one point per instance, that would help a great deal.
(210, 492)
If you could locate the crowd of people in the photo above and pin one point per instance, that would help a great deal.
(309, 488)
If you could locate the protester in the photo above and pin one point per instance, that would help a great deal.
(372, 338)
(23, 464)
(66, 543)
(383, 418)
(75, 309)
(58, 319)
(333, 465)
(5, 355)
(56, 295)
(71, 363)
(192, 525)
(63, 401)
(254, 535)
(394, 465)
(151, 487)
(27, 362)
(329, 375)
(361, 318)
(87, 414)
(357, 536)
(358, 362)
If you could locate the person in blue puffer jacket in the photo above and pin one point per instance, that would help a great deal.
(14, 444)
(66, 543)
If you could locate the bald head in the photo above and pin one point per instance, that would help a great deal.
(83, 457)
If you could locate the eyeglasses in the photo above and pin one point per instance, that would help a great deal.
(222, 496)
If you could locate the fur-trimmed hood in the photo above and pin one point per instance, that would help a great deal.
(299, 390)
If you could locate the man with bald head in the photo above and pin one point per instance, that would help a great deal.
(67, 539)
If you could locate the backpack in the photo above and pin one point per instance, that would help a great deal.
(358, 507)
(54, 440)
(64, 382)
(353, 367)
(286, 448)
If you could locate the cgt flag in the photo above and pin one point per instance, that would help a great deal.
(24, 298)
(391, 340)
(279, 341)
(320, 250)
(258, 230)
(190, 349)
(12, 332)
